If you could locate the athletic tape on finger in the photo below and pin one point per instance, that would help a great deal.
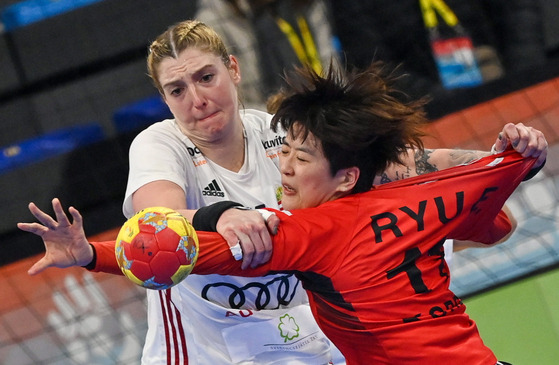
(237, 251)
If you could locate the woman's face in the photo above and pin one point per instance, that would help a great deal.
(201, 92)
(305, 175)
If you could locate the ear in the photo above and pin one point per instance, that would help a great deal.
(235, 69)
(347, 179)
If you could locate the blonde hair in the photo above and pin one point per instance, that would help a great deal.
(177, 38)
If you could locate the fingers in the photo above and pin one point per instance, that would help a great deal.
(255, 247)
(500, 144)
(250, 231)
(273, 224)
(234, 245)
(49, 223)
(41, 216)
(39, 266)
(61, 216)
(261, 246)
(76, 216)
(248, 248)
(526, 140)
(34, 228)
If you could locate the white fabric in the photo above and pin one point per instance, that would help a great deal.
(449, 253)
(162, 152)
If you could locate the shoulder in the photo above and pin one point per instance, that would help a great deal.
(256, 119)
(165, 130)
(258, 123)
(159, 139)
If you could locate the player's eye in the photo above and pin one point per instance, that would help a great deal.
(302, 157)
(207, 77)
(176, 91)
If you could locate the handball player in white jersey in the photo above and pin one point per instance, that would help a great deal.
(213, 151)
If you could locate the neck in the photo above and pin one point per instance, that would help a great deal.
(228, 152)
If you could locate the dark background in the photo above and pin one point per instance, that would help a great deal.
(82, 66)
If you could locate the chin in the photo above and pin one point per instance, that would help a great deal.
(288, 205)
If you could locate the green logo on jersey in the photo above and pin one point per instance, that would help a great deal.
(289, 329)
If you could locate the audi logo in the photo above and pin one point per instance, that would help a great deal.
(277, 292)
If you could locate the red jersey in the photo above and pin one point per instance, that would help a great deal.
(373, 263)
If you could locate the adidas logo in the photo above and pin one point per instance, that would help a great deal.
(213, 189)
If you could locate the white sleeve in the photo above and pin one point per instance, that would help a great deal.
(448, 252)
(155, 155)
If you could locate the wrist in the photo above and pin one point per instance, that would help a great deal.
(206, 218)
(93, 261)
(533, 172)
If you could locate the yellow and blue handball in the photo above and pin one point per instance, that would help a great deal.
(157, 248)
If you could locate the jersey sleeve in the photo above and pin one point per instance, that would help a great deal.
(106, 258)
(307, 240)
(492, 231)
(314, 239)
(155, 154)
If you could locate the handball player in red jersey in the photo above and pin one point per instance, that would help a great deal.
(372, 260)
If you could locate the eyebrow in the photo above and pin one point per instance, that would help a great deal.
(303, 149)
(196, 73)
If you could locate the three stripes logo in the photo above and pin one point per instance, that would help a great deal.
(213, 189)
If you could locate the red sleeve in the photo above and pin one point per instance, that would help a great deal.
(500, 227)
(296, 238)
(106, 258)
(486, 233)
(216, 258)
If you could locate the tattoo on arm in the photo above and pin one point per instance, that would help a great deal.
(459, 157)
(446, 159)
(422, 164)
(401, 174)
(429, 160)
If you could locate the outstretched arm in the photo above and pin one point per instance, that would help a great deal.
(65, 242)
(246, 228)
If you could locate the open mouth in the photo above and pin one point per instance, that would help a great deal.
(287, 189)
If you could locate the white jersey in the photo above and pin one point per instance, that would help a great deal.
(224, 319)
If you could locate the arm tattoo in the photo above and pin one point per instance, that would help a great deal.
(453, 158)
(425, 162)
(459, 157)
(422, 165)
(405, 172)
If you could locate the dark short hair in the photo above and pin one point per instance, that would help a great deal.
(358, 118)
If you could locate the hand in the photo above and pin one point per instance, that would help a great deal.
(247, 228)
(527, 141)
(65, 243)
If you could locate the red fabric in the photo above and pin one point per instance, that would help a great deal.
(373, 262)
(106, 258)
(376, 277)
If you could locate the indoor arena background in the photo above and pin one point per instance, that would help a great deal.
(74, 92)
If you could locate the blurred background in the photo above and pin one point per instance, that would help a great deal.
(74, 93)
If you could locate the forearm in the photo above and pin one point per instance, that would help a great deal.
(215, 258)
(417, 162)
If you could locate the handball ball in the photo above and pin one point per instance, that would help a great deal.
(156, 248)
